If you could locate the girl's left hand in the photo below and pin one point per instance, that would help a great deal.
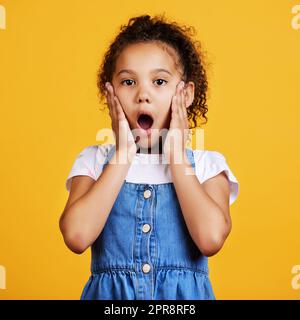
(178, 133)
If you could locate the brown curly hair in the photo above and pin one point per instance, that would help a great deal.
(191, 56)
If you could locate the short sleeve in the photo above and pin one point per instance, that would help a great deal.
(209, 164)
(89, 162)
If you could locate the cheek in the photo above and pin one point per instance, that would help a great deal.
(166, 99)
(165, 106)
(123, 98)
(121, 92)
(165, 115)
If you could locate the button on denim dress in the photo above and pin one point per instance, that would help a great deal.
(145, 251)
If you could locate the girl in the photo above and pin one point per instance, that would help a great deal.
(151, 226)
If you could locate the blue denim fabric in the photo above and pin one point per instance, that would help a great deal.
(178, 270)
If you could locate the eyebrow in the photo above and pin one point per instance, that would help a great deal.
(152, 71)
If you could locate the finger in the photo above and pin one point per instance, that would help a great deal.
(180, 103)
(108, 102)
(185, 111)
(119, 109)
(178, 88)
(185, 104)
(123, 120)
(176, 98)
(111, 101)
(180, 99)
(174, 105)
(117, 106)
(184, 115)
(108, 96)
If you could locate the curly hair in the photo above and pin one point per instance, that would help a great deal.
(190, 56)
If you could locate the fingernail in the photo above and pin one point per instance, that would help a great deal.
(106, 85)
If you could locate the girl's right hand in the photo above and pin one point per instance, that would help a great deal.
(125, 142)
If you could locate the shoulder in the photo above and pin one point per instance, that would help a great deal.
(96, 149)
(210, 163)
(208, 155)
(94, 154)
(89, 161)
(206, 161)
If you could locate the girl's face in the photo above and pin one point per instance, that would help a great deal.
(144, 81)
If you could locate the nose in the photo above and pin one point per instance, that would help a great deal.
(143, 99)
(142, 95)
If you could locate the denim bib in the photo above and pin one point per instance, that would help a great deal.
(145, 251)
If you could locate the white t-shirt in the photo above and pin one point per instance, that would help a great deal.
(152, 168)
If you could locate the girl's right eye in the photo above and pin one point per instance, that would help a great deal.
(126, 81)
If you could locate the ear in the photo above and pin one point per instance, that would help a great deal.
(190, 92)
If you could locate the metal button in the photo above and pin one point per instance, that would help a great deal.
(146, 227)
(146, 268)
(147, 193)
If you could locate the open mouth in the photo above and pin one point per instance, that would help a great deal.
(145, 121)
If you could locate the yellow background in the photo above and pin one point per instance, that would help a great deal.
(49, 56)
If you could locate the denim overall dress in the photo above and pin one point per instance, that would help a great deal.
(145, 251)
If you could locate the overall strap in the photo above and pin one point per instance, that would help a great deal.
(190, 155)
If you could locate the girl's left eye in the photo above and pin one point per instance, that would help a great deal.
(127, 80)
(161, 80)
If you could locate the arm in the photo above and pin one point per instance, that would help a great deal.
(90, 203)
(205, 207)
